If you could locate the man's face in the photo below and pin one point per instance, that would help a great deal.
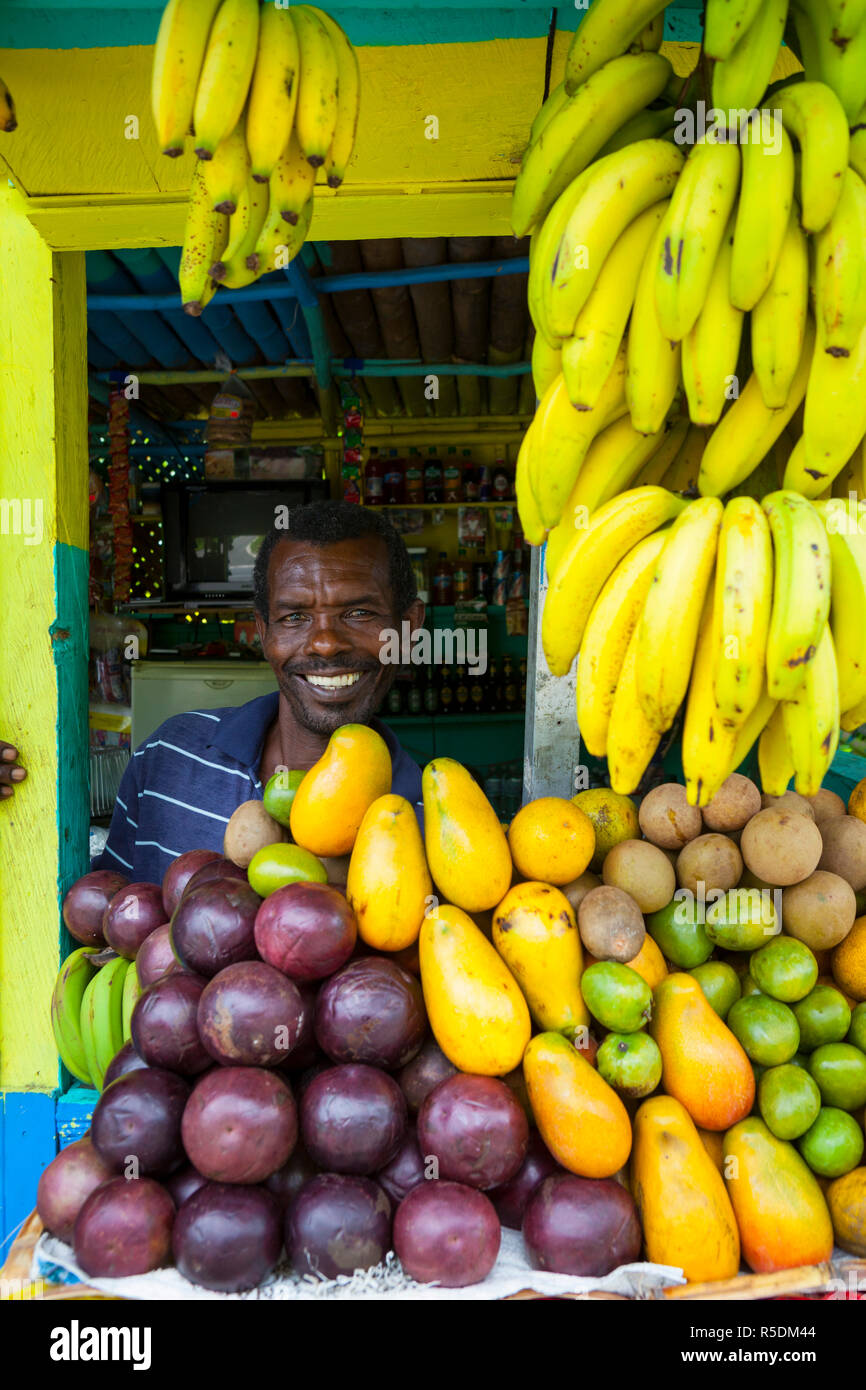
(328, 607)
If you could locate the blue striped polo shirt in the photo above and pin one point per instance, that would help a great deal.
(182, 785)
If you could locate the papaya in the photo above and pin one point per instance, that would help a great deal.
(535, 932)
(846, 1198)
(466, 846)
(713, 1142)
(389, 886)
(333, 798)
(686, 1214)
(779, 1206)
(580, 1118)
(478, 1014)
(704, 1066)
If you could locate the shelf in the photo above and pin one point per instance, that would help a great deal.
(408, 721)
(441, 506)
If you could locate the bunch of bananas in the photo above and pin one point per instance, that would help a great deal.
(698, 294)
(91, 1011)
(270, 95)
(751, 614)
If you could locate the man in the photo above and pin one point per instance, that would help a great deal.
(325, 589)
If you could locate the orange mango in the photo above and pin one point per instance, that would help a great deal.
(686, 1214)
(334, 796)
(649, 963)
(580, 1118)
(388, 885)
(704, 1066)
(780, 1209)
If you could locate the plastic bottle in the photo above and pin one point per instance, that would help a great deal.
(462, 576)
(470, 478)
(414, 478)
(433, 478)
(453, 477)
(374, 480)
(395, 480)
(501, 482)
(443, 581)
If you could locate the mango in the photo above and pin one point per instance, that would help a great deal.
(780, 1209)
(333, 798)
(466, 846)
(713, 1142)
(833, 1144)
(680, 934)
(704, 1067)
(767, 1030)
(535, 932)
(823, 1017)
(785, 969)
(580, 1118)
(840, 1071)
(478, 1014)
(789, 1100)
(649, 963)
(686, 1214)
(388, 885)
(551, 840)
(720, 983)
(617, 996)
(846, 1198)
(631, 1063)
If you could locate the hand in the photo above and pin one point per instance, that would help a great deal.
(10, 772)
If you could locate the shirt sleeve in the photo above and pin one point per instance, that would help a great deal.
(119, 852)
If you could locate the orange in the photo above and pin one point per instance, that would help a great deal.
(551, 840)
(849, 961)
(614, 817)
(857, 801)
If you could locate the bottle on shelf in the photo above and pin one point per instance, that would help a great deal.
(481, 579)
(452, 477)
(443, 581)
(395, 480)
(462, 576)
(470, 478)
(461, 693)
(433, 478)
(485, 485)
(446, 691)
(501, 482)
(509, 686)
(395, 697)
(431, 692)
(477, 693)
(523, 683)
(414, 478)
(414, 695)
(493, 699)
(374, 480)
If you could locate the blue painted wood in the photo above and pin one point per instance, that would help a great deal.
(27, 1145)
(74, 1111)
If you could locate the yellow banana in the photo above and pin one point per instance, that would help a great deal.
(546, 364)
(554, 101)
(766, 195)
(658, 463)
(708, 743)
(562, 435)
(813, 113)
(225, 76)
(811, 719)
(682, 472)
(273, 91)
(778, 322)
(278, 243)
(612, 462)
(855, 718)
(668, 629)
(840, 62)
(834, 420)
(542, 251)
(801, 590)
(575, 132)
(847, 16)
(694, 229)
(743, 603)
(712, 346)
(725, 23)
(774, 757)
(650, 39)
(244, 227)
(631, 741)
(588, 356)
(589, 558)
(609, 628)
(177, 60)
(620, 187)
(857, 143)
(605, 31)
(740, 80)
(648, 124)
(226, 175)
(316, 112)
(75, 975)
(204, 241)
(527, 507)
(749, 429)
(652, 360)
(291, 184)
(840, 269)
(847, 541)
(749, 732)
(848, 485)
(348, 102)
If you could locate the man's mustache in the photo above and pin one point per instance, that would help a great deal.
(330, 667)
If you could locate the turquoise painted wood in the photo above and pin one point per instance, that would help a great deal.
(70, 643)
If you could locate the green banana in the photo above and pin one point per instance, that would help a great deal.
(725, 23)
(75, 974)
(740, 81)
(830, 58)
(102, 1018)
(132, 992)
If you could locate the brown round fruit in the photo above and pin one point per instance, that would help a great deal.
(667, 819)
(249, 830)
(643, 871)
(611, 924)
(736, 801)
(713, 860)
(826, 805)
(844, 850)
(781, 846)
(577, 890)
(788, 801)
(820, 911)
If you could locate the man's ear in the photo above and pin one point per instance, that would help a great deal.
(415, 614)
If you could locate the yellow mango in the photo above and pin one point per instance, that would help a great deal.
(780, 1209)
(686, 1214)
(388, 885)
(466, 846)
(535, 932)
(704, 1066)
(338, 790)
(477, 1012)
(580, 1118)
(649, 963)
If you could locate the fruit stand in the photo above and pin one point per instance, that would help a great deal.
(608, 1019)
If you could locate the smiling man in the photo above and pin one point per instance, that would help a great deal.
(325, 591)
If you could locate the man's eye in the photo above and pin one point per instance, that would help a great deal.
(360, 613)
(291, 617)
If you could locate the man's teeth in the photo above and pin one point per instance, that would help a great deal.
(330, 682)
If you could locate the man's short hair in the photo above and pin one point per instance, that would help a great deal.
(326, 523)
